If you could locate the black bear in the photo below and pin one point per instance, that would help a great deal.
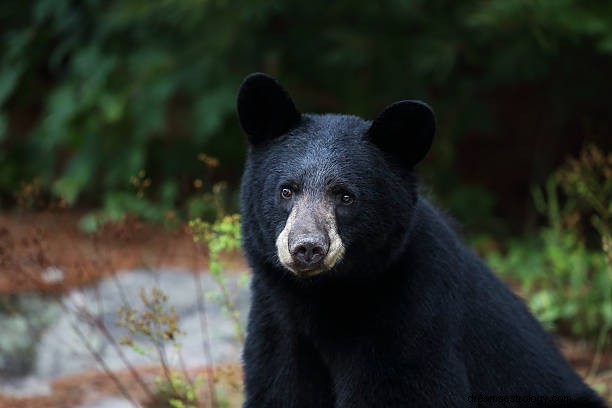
(362, 294)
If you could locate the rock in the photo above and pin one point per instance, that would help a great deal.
(109, 403)
(61, 349)
(23, 320)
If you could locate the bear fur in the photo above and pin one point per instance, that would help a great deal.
(362, 294)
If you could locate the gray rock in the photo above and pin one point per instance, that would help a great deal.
(109, 403)
(62, 350)
(23, 320)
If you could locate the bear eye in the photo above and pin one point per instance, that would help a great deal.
(347, 199)
(286, 193)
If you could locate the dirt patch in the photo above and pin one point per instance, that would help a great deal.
(47, 251)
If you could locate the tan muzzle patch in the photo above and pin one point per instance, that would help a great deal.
(334, 254)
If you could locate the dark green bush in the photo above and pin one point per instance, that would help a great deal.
(568, 283)
(94, 92)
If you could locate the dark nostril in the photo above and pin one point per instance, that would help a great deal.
(308, 253)
(301, 250)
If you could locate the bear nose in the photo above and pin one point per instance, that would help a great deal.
(308, 252)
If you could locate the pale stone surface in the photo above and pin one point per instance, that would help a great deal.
(60, 351)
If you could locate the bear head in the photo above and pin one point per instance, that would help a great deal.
(327, 194)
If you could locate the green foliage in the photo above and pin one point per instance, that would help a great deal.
(93, 92)
(116, 86)
(221, 237)
(178, 392)
(154, 324)
(209, 202)
(157, 323)
(567, 284)
(588, 180)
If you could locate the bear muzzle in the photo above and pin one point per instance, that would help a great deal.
(309, 243)
(308, 251)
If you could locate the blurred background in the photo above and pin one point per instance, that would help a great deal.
(118, 137)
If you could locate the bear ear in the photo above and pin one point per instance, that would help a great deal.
(404, 131)
(265, 109)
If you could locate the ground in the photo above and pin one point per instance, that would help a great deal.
(32, 243)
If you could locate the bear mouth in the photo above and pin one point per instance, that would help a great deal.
(306, 271)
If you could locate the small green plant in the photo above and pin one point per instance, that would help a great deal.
(566, 284)
(157, 324)
(153, 325)
(154, 201)
(588, 180)
(152, 329)
(221, 237)
(177, 392)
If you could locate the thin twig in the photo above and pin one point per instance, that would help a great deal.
(206, 342)
(99, 359)
(113, 342)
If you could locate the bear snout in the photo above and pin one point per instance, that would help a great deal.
(309, 243)
(308, 251)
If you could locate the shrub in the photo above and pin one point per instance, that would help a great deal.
(567, 283)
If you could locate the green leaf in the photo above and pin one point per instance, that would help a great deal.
(69, 186)
(62, 106)
(112, 107)
(211, 109)
(90, 223)
(9, 78)
(176, 403)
